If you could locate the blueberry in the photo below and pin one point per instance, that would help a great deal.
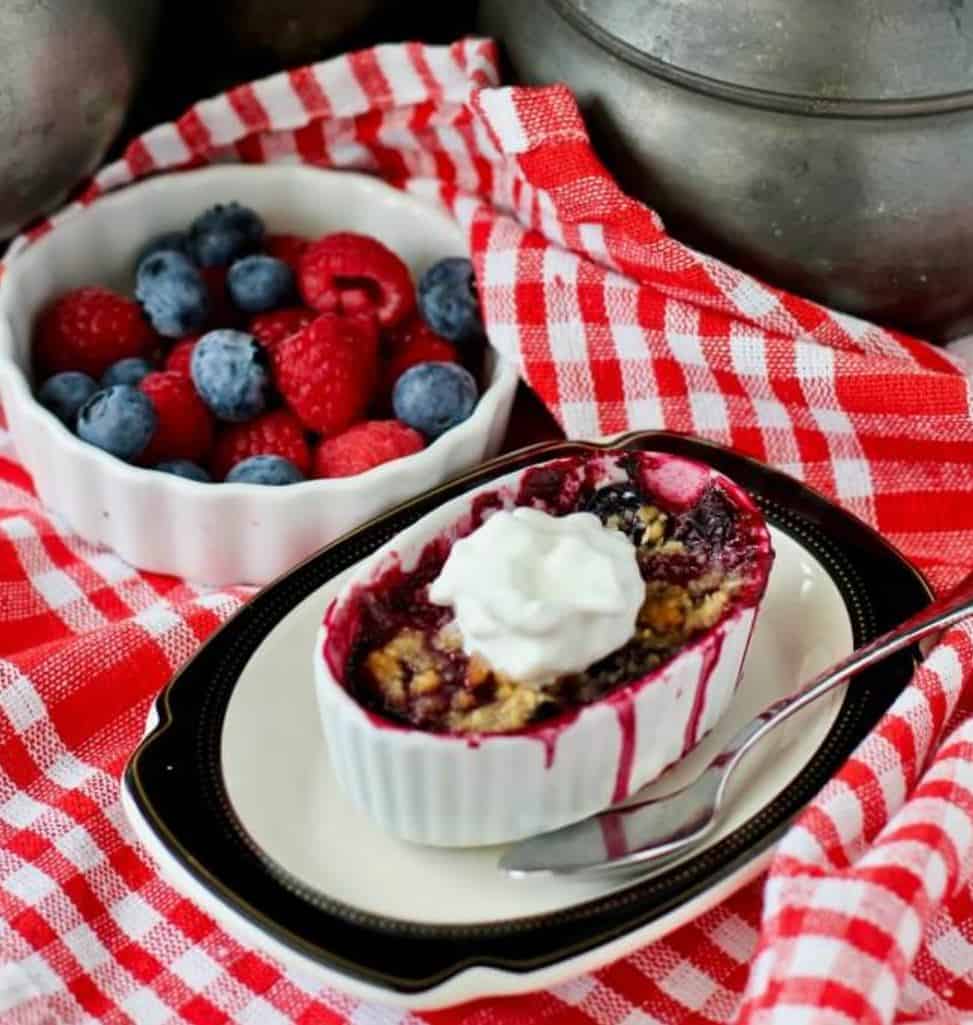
(448, 302)
(229, 369)
(618, 505)
(170, 242)
(64, 394)
(120, 420)
(260, 283)
(224, 233)
(433, 397)
(710, 525)
(172, 293)
(126, 371)
(184, 468)
(274, 470)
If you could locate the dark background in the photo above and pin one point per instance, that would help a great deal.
(206, 46)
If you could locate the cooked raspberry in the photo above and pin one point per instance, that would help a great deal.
(87, 330)
(289, 248)
(326, 372)
(180, 354)
(363, 446)
(222, 311)
(345, 273)
(272, 328)
(185, 426)
(412, 344)
(274, 434)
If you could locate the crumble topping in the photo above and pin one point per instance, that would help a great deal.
(420, 674)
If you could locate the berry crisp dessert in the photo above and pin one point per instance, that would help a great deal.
(591, 576)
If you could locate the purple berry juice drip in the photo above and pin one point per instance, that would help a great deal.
(625, 712)
(711, 651)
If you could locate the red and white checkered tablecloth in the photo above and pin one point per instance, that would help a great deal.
(867, 912)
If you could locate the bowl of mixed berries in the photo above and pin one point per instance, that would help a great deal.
(217, 372)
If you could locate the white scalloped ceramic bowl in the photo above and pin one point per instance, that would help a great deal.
(461, 790)
(226, 533)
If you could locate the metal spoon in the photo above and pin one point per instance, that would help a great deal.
(645, 834)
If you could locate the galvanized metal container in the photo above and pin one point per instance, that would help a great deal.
(825, 146)
(68, 70)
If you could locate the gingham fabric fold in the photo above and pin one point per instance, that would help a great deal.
(867, 912)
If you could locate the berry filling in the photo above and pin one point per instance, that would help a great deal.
(700, 556)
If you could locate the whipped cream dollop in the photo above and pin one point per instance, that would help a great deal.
(539, 596)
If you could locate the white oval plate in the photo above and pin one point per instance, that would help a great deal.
(392, 902)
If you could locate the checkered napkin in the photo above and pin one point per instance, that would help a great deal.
(867, 912)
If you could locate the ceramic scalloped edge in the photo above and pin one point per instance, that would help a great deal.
(220, 534)
(450, 791)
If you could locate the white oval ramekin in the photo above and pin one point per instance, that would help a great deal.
(226, 533)
(449, 790)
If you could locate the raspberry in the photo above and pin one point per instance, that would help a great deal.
(289, 248)
(326, 372)
(87, 330)
(273, 434)
(348, 273)
(272, 328)
(415, 331)
(180, 355)
(366, 327)
(365, 445)
(185, 426)
(415, 343)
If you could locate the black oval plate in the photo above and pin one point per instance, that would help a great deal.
(175, 776)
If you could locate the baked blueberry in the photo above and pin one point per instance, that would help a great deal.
(618, 505)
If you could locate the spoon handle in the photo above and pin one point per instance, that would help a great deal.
(943, 613)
